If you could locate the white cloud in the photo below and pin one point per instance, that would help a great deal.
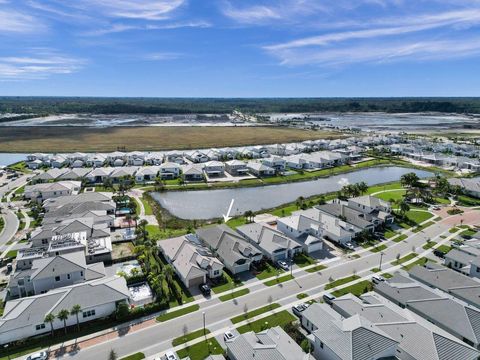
(39, 66)
(118, 28)
(137, 9)
(162, 56)
(12, 21)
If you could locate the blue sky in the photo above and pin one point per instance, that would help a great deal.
(241, 48)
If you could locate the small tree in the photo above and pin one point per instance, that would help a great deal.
(63, 315)
(185, 332)
(76, 309)
(270, 300)
(245, 310)
(397, 256)
(113, 355)
(49, 319)
(122, 310)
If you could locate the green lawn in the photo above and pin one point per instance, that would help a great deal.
(464, 200)
(421, 262)
(389, 233)
(390, 186)
(302, 296)
(422, 227)
(136, 356)
(12, 254)
(174, 314)
(189, 337)
(400, 238)
(429, 245)
(316, 268)
(253, 313)
(227, 284)
(279, 280)
(341, 281)
(268, 271)
(404, 259)
(278, 319)
(375, 270)
(378, 248)
(234, 295)
(303, 260)
(147, 206)
(392, 196)
(201, 350)
(468, 232)
(356, 289)
(236, 222)
(418, 216)
(155, 231)
(444, 248)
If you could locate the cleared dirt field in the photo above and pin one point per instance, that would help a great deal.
(71, 139)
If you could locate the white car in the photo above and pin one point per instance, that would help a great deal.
(349, 246)
(170, 356)
(283, 264)
(42, 355)
(377, 279)
(228, 336)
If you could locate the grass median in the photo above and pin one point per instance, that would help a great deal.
(189, 337)
(341, 281)
(279, 280)
(176, 313)
(254, 313)
(281, 318)
(235, 294)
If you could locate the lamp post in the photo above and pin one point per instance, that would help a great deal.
(381, 256)
(204, 327)
(6, 349)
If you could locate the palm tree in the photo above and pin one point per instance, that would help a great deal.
(362, 187)
(168, 272)
(49, 319)
(112, 355)
(63, 315)
(76, 309)
(404, 207)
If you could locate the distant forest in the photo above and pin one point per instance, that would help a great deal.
(62, 105)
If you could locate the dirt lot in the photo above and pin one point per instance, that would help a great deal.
(71, 139)
(122, 250)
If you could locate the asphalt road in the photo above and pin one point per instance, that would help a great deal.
(157, 338)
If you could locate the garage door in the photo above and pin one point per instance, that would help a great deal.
(196, 281)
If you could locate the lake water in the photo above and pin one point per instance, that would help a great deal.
(208, 204)
(10, 158)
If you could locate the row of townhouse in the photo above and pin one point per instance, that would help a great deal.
(203, 255)
(267, 166)
(63, 267)
(465, 258)
(348, 146)
(372, 327)
(470, 186)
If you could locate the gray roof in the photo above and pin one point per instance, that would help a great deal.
(267, 238)
(352, 216)
(353, 338)
(460, 256)
(31, 310)
(402, 292)
(271, 344)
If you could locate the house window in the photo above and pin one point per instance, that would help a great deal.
(81, 273)
(321, 344)
(40, 327)
(57, 278)
(88, 313)
(216, 273)
(68, 276)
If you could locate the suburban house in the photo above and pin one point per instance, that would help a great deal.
(58, 161)
(471, 186)
(49, 175)
(174, 156)
(376, 210)
(259, 169)
(304, 230)
(274, 344)
(273, 244)
(465, 259)
(408, 329)
(196, 156)
(146, 174)
(447, 313)
(347, 214)
(98, 299)
(74, 174)
(460, 286)
(192, 173)
(170, 170)
(232, 250)
(97, 160)
(236, 167)
(333, 337)
(99, 175)
(274, 162)
(47, 273)
(193, 262)
(214, 168)
(44, 191)
(121, 173)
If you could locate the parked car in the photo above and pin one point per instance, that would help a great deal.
(349, 246)
(298, 309)
(228, 336)
(9, 268)
(170, 355)
(283, 264)
(205, 289)
(42, 355)
(328, 298)
(377, 279)
(438, 253)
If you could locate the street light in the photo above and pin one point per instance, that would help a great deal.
(381, 256)
(204, 330)
(6, 349)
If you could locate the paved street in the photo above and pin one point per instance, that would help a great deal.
(157, 337)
